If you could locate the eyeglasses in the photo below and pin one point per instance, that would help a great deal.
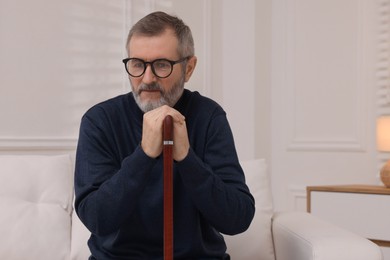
(162, 68)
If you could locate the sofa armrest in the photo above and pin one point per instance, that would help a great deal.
(301, 236)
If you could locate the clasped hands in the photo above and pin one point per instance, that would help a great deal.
(152, 133)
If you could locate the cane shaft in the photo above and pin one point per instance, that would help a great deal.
(168, 187)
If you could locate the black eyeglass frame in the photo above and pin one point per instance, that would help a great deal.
(125, 61)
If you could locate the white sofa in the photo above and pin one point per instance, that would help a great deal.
(38, 222)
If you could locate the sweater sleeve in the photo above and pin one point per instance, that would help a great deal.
(216, 182)
(106, 189)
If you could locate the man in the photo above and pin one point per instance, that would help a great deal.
(118, 177)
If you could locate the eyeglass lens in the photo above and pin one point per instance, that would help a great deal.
(162, 68)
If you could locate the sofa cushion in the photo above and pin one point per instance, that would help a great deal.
(256, 243)
(35, 205)
(80, 236)
(300, 235)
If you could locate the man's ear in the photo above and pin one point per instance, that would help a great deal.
(190, 67)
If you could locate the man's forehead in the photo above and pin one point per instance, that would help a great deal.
(166, 33)
(165, 42)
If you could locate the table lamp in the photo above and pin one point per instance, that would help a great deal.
(383, 145)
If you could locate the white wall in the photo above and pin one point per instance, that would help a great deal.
(323, 86)
(57, 59)
(298, 79)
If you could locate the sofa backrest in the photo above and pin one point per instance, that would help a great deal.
(38, 221)
(35, 205)
(256, 243)
(80, 236)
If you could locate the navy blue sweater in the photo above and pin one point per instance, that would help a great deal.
(119, 190)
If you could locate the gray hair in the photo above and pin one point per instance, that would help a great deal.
(156, 23)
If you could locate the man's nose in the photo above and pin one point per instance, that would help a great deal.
(149, 76)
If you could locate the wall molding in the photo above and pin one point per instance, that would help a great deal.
(357, 145)
(37, 144)
(356, 139)
(297, 197)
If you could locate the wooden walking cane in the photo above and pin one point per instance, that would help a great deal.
(168, 187)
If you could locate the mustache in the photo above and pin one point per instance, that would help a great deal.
(150, 87)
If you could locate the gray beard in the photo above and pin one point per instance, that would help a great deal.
(169, 98)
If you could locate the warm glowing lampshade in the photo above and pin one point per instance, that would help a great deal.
(383, 134)
(383, 144)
